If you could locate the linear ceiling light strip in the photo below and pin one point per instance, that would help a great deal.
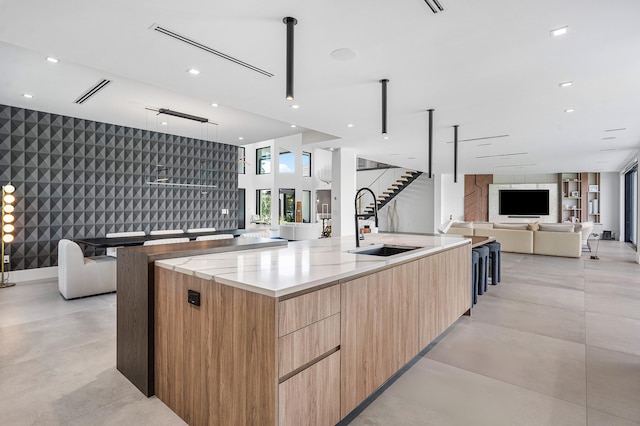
(481, 139)
(384, 106)
(182, 115)
(290, 23)
(92, 91)
(208, 49)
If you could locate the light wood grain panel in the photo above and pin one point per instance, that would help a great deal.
(379, 330)
(309, 308)
(312, 397)
(476, 197)
(170, 323)
(215, 364)
(304, 345)
(454, 285)
(428, 300)
(405, 316)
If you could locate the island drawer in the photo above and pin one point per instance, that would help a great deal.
(301, 311)
(303, 346)
(312, 397)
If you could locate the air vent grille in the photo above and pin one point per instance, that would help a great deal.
(92, 91)
(208, 49)
(434, 5)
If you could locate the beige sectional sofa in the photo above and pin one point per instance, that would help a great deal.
(555, 239)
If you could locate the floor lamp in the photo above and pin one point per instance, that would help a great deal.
(7, 225)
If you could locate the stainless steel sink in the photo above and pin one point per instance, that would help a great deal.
(384, 250)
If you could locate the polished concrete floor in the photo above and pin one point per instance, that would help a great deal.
(557, 342)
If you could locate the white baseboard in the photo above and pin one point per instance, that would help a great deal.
(33, 275)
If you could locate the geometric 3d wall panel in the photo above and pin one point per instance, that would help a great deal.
(77, 178)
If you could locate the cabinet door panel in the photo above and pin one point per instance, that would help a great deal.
(379, 330)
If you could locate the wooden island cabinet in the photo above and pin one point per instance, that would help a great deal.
(310, 357)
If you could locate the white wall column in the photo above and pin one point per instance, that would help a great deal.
(343, 191)
(448, 199)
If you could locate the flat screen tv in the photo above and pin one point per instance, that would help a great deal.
(524, 202)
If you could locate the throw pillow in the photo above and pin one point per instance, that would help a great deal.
(556, 227)
(517, 226)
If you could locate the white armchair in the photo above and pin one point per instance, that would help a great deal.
(80, 276)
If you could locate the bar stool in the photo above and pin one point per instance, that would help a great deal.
(475, 276)
(483, 272)
(494, 258)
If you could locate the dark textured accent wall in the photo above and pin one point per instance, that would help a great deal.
(77, 178)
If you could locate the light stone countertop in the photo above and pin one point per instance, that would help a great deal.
(302, 265)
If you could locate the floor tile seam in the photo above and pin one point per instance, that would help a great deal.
(512, 384)
(586, 362)
(55, 316)
(529, 332)
(613, 350)
(507, 283)
(542, 285)
(56, 352)
(586, 311)
(611, 414)
(533, 303)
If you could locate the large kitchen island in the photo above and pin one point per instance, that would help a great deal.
(302, 334)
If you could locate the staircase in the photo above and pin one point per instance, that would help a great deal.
(396, 188)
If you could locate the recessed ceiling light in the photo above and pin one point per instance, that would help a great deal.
(608, 138)
(52, 60)
(608, 149)
(484, 144)
(616, 130)
(349, 125)
(27, 95)
(393, 155)
(566, 84)
(193, 71)
(164, 123)
(569, 110)
(241, 138)
(295, 106)
(214, 104)
(559, 31)
(601, 162)
(293, 125)
(411, 158)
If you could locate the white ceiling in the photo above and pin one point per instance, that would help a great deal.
(490, 67)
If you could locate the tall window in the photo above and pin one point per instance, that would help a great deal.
(242, 159)
(263, 204)
(263, 161)
(287, 208)
(306, 164)
(287, 161)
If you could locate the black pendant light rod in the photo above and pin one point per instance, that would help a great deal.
(430, 140)
(290, 23)
(384, 106)
(455, 154)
